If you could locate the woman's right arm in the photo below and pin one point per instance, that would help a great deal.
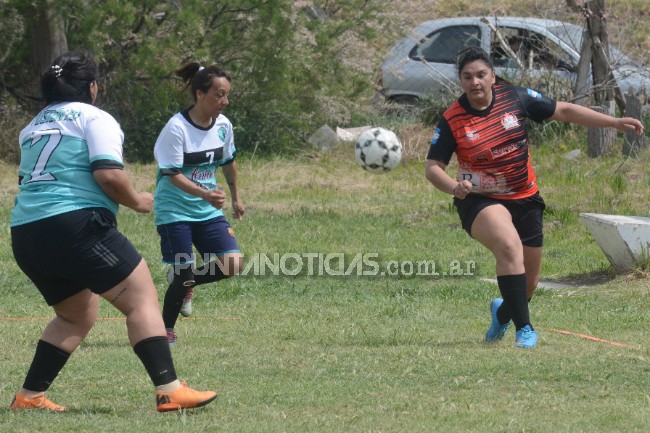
(436, 174)
(116, 184)
(443, 145)
(216, 197)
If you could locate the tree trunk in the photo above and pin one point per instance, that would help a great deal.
(48, 35)
(634, 142)
(605, 85)
(582, 85)
(600, 50)
(600, 141)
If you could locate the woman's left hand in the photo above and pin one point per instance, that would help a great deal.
(629, 123)
(238, 209)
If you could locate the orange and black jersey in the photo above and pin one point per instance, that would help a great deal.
(492, 145)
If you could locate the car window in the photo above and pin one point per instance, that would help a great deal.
(531, 50)
(443, 45)
(569, 34)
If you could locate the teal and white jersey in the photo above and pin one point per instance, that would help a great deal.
(195, 152)
(60, 148)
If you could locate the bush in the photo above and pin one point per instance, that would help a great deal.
(281, 62)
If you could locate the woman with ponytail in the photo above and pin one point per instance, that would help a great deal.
(65, 239)
(188, 202)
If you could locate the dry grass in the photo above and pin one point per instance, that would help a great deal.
(415, 140)
(310, 182)
(8, 183)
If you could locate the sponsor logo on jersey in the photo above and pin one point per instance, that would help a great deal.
(58, 115)
(231, 232)
(534, 94)
(436, 136)
(472, 135)
(201, 176)
(222, 133)
(509, 148)
(481, 155)
(509, 121)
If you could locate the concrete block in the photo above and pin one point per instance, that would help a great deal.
(624, 239)
(324, 138)
(351, 134)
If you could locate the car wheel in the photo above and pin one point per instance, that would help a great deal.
(404, 99)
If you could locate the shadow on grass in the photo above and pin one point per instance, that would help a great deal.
(379, 342)
(588, 279)
(104, 344)
(92, 410)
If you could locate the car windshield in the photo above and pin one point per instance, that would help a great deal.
(443, 45)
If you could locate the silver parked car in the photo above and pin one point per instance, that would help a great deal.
(523, 50)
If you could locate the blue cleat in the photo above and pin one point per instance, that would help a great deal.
(496, 330)
(526, 337)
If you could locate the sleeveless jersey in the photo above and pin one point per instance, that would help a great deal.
(492, 145)
(195, 152)
(60, 148)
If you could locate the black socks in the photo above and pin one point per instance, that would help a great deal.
(209, 273)
(174, 297)
(185, 277)
(155, 355)
(47, 363)
(515, 300)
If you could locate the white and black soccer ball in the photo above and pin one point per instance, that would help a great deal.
(378, 150)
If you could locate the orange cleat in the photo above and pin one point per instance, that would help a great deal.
(183, 398)
(20, 402)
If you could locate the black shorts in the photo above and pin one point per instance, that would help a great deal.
(527, 215)
(77, 250)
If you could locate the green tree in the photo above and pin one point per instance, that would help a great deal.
(288, 77)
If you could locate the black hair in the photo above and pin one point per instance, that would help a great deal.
(200, 78)
(473, 54)
(68, 78)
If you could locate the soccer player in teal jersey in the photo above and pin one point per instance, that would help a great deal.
(190, 148)
(65, 239)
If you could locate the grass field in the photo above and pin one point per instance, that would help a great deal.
(366, 353)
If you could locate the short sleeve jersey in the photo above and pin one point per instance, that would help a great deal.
(195, 152)
(492, 145)
(60, 148)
